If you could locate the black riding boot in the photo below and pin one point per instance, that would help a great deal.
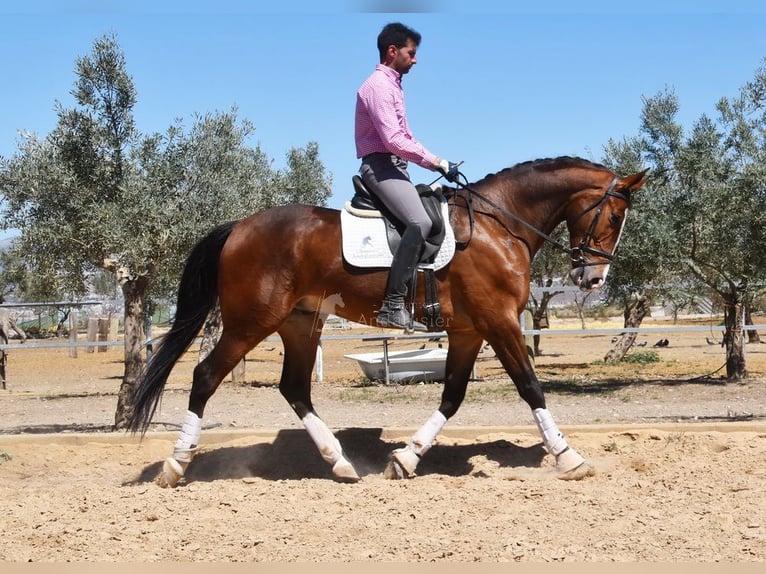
(393, 312)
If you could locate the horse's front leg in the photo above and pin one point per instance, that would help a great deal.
(462, 353)
(510, 348)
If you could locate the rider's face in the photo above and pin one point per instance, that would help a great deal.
(402, 59)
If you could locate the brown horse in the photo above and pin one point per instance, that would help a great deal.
(272, 271)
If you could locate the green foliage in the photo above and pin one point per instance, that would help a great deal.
(647, 252)
(642, 357)
(700, 221)
(97, 194)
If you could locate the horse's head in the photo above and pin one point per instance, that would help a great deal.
(595, 221)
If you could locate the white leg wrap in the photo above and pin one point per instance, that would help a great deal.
(329, 446)
(422, 440)
(420, 443)
(188, 440)
(554, 441)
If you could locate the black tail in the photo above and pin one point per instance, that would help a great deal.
(197, 295)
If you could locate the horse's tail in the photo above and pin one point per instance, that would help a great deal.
(197, 295)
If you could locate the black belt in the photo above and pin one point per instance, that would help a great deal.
(369, 155)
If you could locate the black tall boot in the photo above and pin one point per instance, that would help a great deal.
(393, 312)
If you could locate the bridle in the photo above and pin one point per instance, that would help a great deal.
(576, 254)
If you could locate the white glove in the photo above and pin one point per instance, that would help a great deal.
(449, 170)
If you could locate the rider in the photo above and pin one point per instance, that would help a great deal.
(385, 145)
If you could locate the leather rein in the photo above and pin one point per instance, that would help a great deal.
(576, 254)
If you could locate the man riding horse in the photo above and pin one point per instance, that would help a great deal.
(385, 144)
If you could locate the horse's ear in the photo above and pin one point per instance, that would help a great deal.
(634, 181)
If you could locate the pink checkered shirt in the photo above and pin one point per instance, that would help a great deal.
(381, 120)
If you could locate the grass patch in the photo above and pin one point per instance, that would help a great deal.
(580, 385)
(642, 357)
(394, 394)
(612, 447)
(4, 456)
(479, 392)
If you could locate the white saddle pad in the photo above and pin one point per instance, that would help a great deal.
(365, 243)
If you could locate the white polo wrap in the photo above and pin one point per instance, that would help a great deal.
(554, 441)
(422, 440)
(188, 439)
(329, 446)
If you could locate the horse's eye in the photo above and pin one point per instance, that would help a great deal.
(615, 219)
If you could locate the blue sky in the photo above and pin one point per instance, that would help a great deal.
(494, 85)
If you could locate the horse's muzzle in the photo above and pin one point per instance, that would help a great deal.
(589, 278)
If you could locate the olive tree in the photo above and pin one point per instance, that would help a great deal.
(97, 194)
(709, 186)
(643, 266)
(548, 265)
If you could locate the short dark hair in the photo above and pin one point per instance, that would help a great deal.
(395, 34)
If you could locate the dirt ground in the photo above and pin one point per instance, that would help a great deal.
(678, 456)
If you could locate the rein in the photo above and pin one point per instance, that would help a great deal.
(576, 254)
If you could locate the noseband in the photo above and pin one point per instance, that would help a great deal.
(576, 254)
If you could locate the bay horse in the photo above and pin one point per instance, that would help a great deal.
(272, 272)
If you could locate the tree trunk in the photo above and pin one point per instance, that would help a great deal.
(752, 336)
(210, 335)
(134, 292)
(580, 304)
(540, 316)
(19, 331)
(733, 338)
(211, 332)
(634, 314)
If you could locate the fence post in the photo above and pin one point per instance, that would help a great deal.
(103, 334)
(114, 328)
(319, 366)
(92, 334)
(73, 333)
(238, 372)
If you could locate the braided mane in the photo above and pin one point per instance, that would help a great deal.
(543, 165)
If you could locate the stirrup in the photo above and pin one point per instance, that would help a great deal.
(388, 317)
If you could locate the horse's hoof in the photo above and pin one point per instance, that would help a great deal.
(393, 471)
(407, 460)
(344, 472)
(568, 460)
(570, 465)
(172, 472)
(403, 463)
(583, 471)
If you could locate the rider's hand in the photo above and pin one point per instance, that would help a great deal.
(448, 170)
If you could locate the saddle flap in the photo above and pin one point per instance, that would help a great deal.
(363, 199)
(432, 202)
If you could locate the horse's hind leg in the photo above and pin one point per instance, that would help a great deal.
(208, 375)
(300, 336)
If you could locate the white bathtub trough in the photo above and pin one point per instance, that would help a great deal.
(404, 366)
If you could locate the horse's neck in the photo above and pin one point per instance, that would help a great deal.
(542, 207)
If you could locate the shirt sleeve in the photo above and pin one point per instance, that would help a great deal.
(385, 116)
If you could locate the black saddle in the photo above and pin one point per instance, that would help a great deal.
(432, 200)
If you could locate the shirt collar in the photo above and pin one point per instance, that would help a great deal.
(391, 73)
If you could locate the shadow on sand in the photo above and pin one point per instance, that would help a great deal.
(293, 456)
